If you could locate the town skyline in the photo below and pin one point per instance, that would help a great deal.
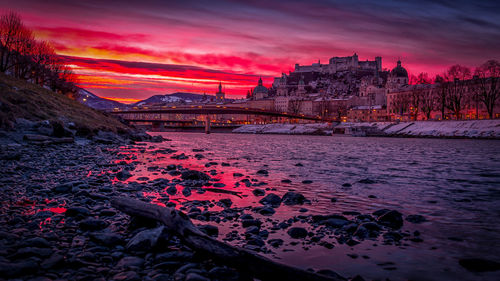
(189, 47)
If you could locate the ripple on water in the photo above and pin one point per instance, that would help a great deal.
(452, 183)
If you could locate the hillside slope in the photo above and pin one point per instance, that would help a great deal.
(21, 99)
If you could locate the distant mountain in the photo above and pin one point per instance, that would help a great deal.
(89, 99)
(171, 98)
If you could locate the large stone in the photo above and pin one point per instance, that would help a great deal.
(192, 276)
(194, 175)
(63, 188)
(127, 276)
(267, 211)
(172, 190)
(275, 242)
(479, 265)
(186, 191)
(392, 219)
(174, 256)
(297, 232)
(77, 211)
(209, 230)
(107, 239)
(271, 199)
(259, 192)
(123, 175)
(36, 138)
(249, 222)
(335, 222)
(36, 242)
(145, 240)
(415, 218)
(93, 224)
(8, 269)
(53, 261)
(130, 262)
(224, 273)
(293, 198)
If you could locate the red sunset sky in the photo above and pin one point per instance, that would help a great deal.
(130, 50)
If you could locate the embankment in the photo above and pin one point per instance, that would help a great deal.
(483, 129)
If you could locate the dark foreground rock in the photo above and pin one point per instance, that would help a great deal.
(479, 264)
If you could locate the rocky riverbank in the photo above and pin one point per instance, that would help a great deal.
(57, 222)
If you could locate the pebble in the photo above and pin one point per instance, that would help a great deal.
(297, 232)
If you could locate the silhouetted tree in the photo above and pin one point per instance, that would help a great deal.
(457, 89)
(488, 75)
(24, 57)
(421, 97)
(13, 37)
(441, 94)
(401, 103)
(294, 106)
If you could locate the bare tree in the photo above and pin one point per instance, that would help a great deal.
(42, 56)
(341, 110)
(458, 76)
(488, 92)
(10, 26)
(428, 102)
(417, 94)
(401, 103)
(441, 94)
(24, 57)
(294, 106)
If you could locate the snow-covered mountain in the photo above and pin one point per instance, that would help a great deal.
(94, 101)
(172, 98)
(89, 99)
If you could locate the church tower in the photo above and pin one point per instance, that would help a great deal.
(220, 96)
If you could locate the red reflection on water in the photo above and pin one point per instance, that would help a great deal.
(57, 210)
(44, 222)
(152, 156)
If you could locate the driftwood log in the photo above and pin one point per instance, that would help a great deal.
(242, 259)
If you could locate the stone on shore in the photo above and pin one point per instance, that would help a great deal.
(297, 232)
(194, 175)
(293, 198)
(392, 219)
(271, 199)
(145, 240)
(479, 264)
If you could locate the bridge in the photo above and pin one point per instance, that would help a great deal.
(196, 116)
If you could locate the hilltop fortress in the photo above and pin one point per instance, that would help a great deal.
(337, 64)
(345, 89)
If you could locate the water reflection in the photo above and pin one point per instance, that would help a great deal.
(453, 183)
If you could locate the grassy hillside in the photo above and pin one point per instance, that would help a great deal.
(20, 99)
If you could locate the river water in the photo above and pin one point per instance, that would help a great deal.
(454, 184)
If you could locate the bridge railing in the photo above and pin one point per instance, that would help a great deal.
(220, 109)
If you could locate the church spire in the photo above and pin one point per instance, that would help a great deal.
(260, 81)
(220, 87)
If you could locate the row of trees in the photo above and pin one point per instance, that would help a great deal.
(22, 56)
(454, 91)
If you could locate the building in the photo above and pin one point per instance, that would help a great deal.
(367, 114)
(397, 78)
(220, 96)
(282, 86)
(338, 64)
(281, 103)
(259, 92)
